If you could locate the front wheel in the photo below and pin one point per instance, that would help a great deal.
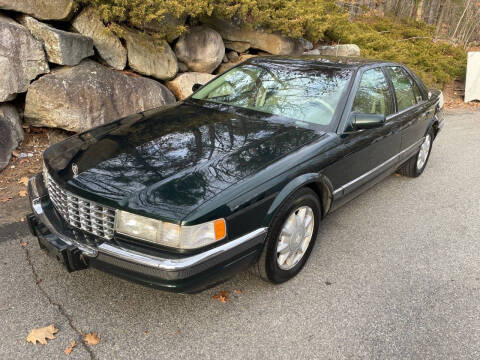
(415, 166)
(291, 237)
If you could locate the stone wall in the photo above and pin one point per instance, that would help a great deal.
(62, 68)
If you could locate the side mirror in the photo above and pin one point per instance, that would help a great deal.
(361, 121)
(195, 87)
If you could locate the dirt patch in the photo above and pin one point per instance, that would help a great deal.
(26, 161)
(454, 96)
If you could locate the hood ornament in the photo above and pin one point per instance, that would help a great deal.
(75, 170)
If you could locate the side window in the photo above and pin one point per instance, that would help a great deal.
(373, 95)
(404, 87)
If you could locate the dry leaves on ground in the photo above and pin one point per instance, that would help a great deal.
(70, 347)
(23, 180)
(238, 292)
(24, 244)
(91, 338)
(221, 296)
(22, 193)
(5, 199)
(42, 334)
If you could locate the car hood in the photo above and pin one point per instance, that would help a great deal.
(166, 162)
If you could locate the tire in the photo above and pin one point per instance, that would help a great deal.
(268, 266)
(415, 166)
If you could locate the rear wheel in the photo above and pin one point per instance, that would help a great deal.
(291, 237)
(415, 166)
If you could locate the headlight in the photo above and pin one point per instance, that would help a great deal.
(168, 234)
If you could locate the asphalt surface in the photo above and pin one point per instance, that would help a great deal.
(395, 274)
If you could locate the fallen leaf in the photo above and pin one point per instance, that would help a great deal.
(32, 171)
(24, 244)
(22, 219)
(222, 296)
(145, 332)
(237, 291)
(5, 199)
(22, 193)
(69, 348)
(91, 339)
(15, 153)
(23, 180)
(42, 334)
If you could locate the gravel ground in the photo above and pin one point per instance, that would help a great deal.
(395, 275)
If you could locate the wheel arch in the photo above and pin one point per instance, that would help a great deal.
(319, 183)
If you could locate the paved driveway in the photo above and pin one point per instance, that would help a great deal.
(395, 274)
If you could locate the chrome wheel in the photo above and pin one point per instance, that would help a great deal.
(295, 237)
(423, 153)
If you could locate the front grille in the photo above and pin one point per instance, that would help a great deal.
(80, 213)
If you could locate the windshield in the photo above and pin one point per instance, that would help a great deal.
(308, 94)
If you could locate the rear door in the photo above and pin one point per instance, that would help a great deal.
(367, 153)
(413, 111)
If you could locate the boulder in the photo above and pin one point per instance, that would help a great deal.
(238, 46)
(21, 59)
(201, 49)
(224, 67)
(273, 43)
(181, 86)
(62, 47)
(108, 45)
(232, 56)
(41, 9)
(89, 94)
(348, 50)
(11, 133)
(150, 56)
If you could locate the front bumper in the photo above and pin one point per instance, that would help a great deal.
(189, 273)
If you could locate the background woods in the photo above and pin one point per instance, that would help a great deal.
(455, 20)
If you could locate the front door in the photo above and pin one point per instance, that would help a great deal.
(367, 153)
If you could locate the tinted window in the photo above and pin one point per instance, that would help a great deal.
(403, 85)
(307, 93)
(373, 95)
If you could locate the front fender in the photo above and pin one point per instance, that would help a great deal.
(318, 182)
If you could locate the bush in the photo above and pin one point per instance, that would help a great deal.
(405, 42)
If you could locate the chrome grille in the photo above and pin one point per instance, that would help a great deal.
(80, 213)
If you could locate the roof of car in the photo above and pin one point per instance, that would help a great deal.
(339, 61)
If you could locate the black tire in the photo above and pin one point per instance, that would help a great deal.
(410, 168)
(267, 267)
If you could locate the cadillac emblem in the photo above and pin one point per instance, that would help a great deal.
(75, 170)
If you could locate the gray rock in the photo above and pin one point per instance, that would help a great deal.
(272, 43)
(108, 45)
(307, 45)
(181, 86)
(201, 49)
(339, 50)
(11, 133)
(89, 94)
(62, 47)
(232, 56)
(238, 46)
(41, 9)
(225, 59)
(150, 56)
(182, 67)
(21, 59)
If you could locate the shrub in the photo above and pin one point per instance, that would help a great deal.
(407, 42)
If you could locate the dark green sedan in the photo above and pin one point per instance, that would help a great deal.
(239, 174)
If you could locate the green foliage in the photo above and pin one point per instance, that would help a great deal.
(406, 42)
